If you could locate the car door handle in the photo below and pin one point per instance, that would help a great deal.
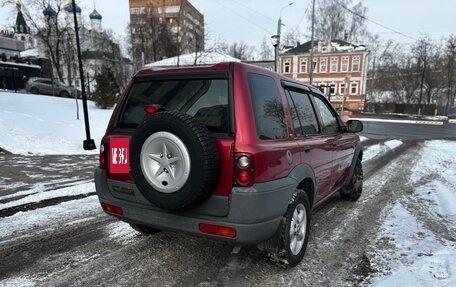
(307, 148)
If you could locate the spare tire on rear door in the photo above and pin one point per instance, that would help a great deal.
(173, 160)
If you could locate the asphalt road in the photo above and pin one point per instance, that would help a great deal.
(93, 249)
(408, 131)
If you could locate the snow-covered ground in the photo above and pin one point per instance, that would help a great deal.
(38, 124)
(422, 248)
(32, 124)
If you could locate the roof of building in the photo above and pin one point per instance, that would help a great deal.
(21, 25)
(340, 46)
(203, 58)
(49, 11)
(70, 8)
(95, 15)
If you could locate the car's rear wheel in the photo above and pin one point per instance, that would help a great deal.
(295, 229)
(173, 160)
(354, 188)
(64, 94)
(34, 90)
(145, 230)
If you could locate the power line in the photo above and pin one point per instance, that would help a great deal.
(245, 18)
(381, 25)
(255, 11)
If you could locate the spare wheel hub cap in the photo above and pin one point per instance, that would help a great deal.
(165, 162)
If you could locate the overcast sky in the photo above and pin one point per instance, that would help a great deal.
(252, 20)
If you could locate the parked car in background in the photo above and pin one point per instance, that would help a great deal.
(50, 87)
(452, 113)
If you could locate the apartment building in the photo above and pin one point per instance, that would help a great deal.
(339, 70)
(163, 29)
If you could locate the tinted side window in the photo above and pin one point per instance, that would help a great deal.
(329, 119)
(302, 112)
(267, 107)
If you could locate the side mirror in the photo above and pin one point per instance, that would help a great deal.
(354, 126)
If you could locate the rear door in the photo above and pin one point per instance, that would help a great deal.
(276, 151)
(315, 151)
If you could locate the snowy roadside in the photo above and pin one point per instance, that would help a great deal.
(416, 245)
(37, 124)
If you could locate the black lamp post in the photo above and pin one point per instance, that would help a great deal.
(275, 40)
(88, 143)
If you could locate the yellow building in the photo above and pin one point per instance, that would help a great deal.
(339, 69)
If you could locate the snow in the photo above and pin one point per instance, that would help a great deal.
(380, 149)
(52, 217)
(429, 261)
(38, 194)
(204, 58)
(47, 125)
(420, 255)
(415, 256)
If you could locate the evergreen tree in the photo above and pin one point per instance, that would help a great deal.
(107, 90)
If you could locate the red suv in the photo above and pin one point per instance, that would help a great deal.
(232, 152)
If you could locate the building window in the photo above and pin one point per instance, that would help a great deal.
(355, 64)
(314, 67)
(342, 89)
(322, 88)
(323, 65)
(332, 89)
(303, 66)
(354, 88)
(344, 65)
(287, 67)
(334, 64)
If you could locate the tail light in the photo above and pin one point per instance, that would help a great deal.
(217, 230)
(103, 160)
(112, 208)
(244, 169)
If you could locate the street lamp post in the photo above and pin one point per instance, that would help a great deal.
(276, 38)
(275, 42)
(88, 143)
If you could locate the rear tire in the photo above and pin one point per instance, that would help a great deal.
(353, 190)
(295, 229)
(64, 94)
(145, 230)
(34, 90)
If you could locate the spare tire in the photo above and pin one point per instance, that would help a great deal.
(173, 160)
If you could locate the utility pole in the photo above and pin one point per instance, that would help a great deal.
(277, 44)
(312, 45)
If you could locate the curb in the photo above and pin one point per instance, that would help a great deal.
(452, 121)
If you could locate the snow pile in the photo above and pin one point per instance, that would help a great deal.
(420, 228)
(38, 124)
(419, 258)
(380, 149)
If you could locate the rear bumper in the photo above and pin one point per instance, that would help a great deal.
(255, 212)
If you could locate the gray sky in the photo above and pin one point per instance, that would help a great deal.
(252, 20)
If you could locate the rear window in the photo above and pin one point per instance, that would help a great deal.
(204, 99)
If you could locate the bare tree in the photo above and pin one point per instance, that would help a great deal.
(291, 38)
(45, 19)
(338, 19)
(450, 73)
(266, 51)
(239, 50)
